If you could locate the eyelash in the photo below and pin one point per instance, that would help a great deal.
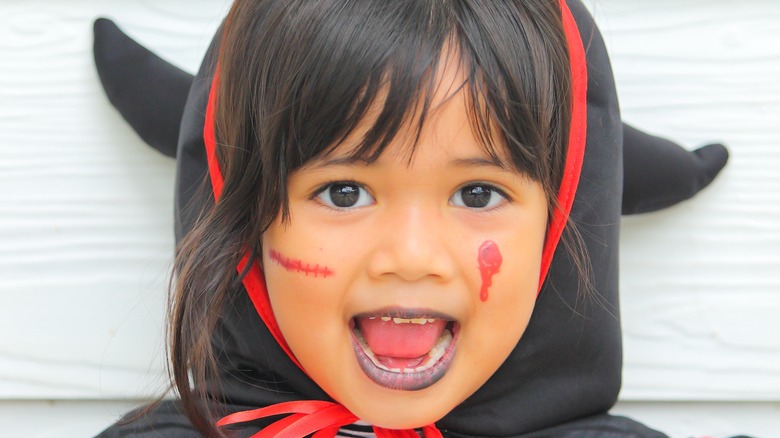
(321, 190)
(488, 187)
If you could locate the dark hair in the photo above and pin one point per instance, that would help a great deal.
(297, 76)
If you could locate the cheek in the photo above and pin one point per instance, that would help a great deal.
(502, 316)
(305, 299)
(306, 288)
(508, 267)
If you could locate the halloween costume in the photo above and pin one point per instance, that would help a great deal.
(564, 374)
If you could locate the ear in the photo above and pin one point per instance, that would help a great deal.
(148, 92)
(658, 173)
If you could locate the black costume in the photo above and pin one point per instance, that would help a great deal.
(564, 374)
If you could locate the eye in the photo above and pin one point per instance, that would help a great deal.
(344, 195)
(479, 195)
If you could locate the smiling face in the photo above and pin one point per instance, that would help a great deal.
(402, 285)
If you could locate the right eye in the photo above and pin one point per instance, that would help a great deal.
(342, 195)
(478, 196)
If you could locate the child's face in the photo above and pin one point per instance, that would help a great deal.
(450, 243)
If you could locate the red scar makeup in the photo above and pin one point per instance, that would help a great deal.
(295, 265)
(489, 259)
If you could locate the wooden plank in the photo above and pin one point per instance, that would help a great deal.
(700, 283)
(86, 226)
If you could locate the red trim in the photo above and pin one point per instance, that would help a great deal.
(209, 138)
(577, 139)
(253, 281)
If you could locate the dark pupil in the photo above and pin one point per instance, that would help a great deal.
(344, 195)
(475, 196)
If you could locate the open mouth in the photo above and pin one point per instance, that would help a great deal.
(408, 350)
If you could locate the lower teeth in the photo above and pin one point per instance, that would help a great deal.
(436, 353)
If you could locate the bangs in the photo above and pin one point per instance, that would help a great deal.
(369, 70)
(379, 63)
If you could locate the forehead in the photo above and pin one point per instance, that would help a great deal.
(446, 119)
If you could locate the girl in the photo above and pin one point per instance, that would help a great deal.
(406, 231)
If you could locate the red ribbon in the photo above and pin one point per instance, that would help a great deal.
(324, 419)
(321, 418)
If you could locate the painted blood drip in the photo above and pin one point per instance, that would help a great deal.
(295, 265)
(489, 264)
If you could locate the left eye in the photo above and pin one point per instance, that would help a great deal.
(477, 196)
(343, 195)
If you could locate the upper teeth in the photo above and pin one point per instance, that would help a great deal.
(405, 320)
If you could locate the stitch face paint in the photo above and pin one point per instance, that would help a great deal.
(489, 259)
(295, 265)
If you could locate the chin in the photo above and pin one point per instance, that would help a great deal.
(404, 409)
(400, 413)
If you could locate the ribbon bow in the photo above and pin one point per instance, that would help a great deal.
(321, 418)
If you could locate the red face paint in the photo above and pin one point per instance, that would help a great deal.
(295, 265)
(489, 259)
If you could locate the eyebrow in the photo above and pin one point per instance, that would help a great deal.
(340, 161)
(479, 162)
(471, 162)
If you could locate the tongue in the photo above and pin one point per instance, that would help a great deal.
(400, 345)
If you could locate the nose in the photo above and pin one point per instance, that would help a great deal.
(415, 242)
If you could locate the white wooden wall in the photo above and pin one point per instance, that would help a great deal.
(86, 216)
